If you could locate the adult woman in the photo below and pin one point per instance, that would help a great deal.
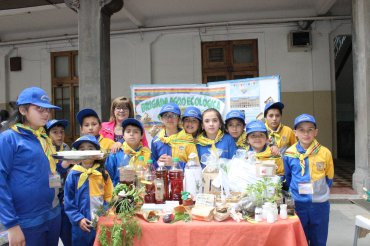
(120, 110)
(29, 183)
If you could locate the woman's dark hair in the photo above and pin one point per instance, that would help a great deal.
(16, 118)
(222, 124)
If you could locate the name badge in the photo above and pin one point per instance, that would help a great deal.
(305, 188)
(55, 181)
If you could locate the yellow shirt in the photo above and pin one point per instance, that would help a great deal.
(285, 138)
(105, 144)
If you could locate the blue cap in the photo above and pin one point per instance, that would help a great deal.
(86, 138)
(84, 113)
(132, 121)
(170, 107)
(54, 122)
(235, 114)
(270, 105)
(255, 126)
(35, 96)
(304, 118)
(192, 112)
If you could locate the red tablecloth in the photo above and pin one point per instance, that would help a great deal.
(281, 233)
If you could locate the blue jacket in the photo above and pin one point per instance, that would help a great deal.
(83, 202)
(319, 170)
(227, 144)
(182, 150)
(25, 196)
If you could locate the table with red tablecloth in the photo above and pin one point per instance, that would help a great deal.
(283, 232)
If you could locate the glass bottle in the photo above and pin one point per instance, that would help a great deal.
(193, 176)
(162, 173)
(149, 196)
(176, 177)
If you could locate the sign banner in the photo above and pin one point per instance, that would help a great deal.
(248, 95)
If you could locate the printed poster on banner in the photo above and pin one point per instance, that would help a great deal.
(248, 95)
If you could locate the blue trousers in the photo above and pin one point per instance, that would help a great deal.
(45, 234)
(82, 238)
(65, 230)
(315, 221)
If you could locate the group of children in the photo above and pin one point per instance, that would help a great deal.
(305, 166)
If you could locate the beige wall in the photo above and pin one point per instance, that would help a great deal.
(317, 103)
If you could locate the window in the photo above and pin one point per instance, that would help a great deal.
(64, 77)
(227, 60)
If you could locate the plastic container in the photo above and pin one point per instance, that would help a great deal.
(149, 177)
(162, 173)
(140, 171)
(193, 176)
(283, 211)
(159, 190)
(176, 177)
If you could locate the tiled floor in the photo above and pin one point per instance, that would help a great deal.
(343, 171)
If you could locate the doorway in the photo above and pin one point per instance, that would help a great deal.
(344, 96)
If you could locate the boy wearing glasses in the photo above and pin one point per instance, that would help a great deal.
(309, 172)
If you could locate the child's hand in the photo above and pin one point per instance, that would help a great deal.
(85, 224)
(167, 159)
(16, 236)
(275, 150)
(115, 147)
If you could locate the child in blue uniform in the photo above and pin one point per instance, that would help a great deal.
(29, 183)
(90, 124)
(309, 173)
(258, 142)
(213, 136)
(171, 141)
(88, 187)
(55, 130)
(131, 149)
(235, 125)
(192, 120)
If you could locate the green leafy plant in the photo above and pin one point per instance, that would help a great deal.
(125, 203)
(262, 189)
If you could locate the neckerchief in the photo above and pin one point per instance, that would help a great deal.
(85, 173)
(179, 137)
(274, 136)
(266, 154)
(312, 150)
(45, 143)
(204, 141)
(142, 151)
(242, 140)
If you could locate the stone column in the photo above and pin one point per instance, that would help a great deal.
(361, 78)
(94, 52)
